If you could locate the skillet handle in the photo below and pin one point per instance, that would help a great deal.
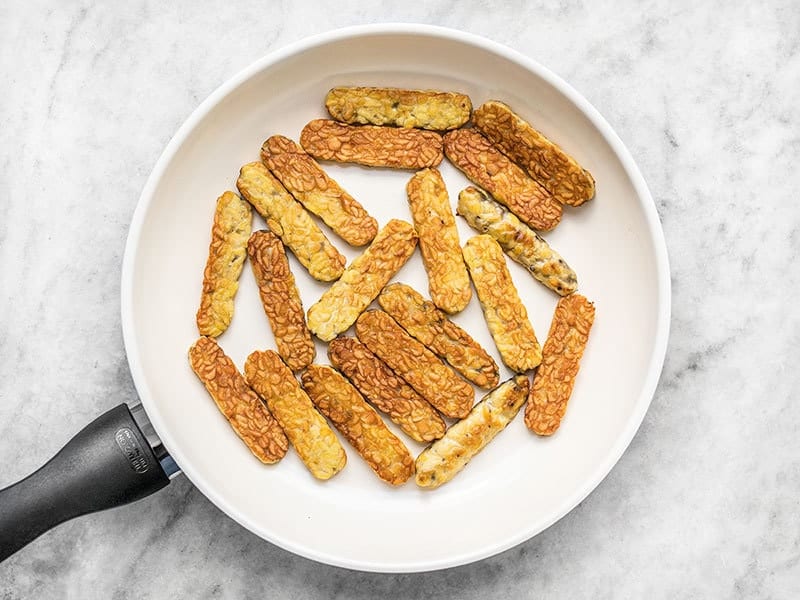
(108, 463)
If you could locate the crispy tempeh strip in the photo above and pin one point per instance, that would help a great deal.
(429, 325)
(384, 389)
(240, 405)
(552, 386)
(281, 300)
(518, 240)
(505, 314)
(306, 181)
(438, 241)
(420, 367)
(404, 108)
(312, 438)
(338, 400)
(287, 219)
(340, 305)
(445, 458)
(544, 160)
(371, 145)
(232, 222)
(487, 167)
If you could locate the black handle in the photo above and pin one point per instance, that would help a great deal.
(109, 463)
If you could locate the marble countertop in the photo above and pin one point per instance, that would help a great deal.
(706, 95)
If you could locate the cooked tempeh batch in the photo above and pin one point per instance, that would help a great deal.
(240, 405)
(427, 374)
(229, 233)
(312, 438)
(518, 240)
(544, 160)
(281, 300)
(307, 182)
(555, 378)
(425, 109)
(490, 169)
(340, 402)
(287, 219)
(505, 314)
(446, 457)
(362, 281)
(429, 325)
(438, 241)
(372, 145)
(385, 390)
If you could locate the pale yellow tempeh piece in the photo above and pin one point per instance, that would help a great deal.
(281, 300)
(305, 180)
(426, 373)
(372, 145)
(309, 433)
(240, 405)
(362, 281)
(386, 390)
(426, 109)
(438, 241)
(446, 457)
(338, 400)
(229, 233)
(518, 240)
(544, 160)
(429, 325)
(487, 167)
(552, 386)
(505, 314)
(287, 219)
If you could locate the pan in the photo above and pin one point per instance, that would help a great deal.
(520, 484)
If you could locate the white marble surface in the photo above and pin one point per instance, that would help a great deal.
(704, 504)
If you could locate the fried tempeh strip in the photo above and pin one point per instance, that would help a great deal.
(545, 161)
(248, 416)
(518, 240)
(445, 458)
(307, 430)
(306, 181)
(552, 386)
(429, 325)
(448, 281)
(487, 167)
(505, 314)
(340, 305)
(281, 300)
(372, 145)
(287, 219)
(405, 108)
(384, 389)
(229, 233)
(338, 400)
(412, 361)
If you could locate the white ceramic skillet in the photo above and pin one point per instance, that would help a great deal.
(520, 484)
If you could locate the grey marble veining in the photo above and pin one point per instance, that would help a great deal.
(706, 95)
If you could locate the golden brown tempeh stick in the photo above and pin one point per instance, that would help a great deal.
(232, 222)
(438, 241)
(427, 374)
(384, 389)
(429, 325)
(281, 300)
(371, 145)
(505, 314)
(240, 405)
(306, 181)
(312, 438)
(338, 400)
(553, 383)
